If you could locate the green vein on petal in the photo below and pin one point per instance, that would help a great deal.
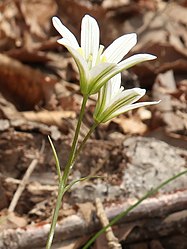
(90, 38)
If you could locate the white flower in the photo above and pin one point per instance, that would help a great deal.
(114, 100)
(95, 66)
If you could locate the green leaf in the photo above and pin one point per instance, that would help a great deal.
(80, 180)
(56, 159)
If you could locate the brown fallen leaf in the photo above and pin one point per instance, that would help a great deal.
(37, 15)
(155, 244)
(28, 55)
(24, 86)
(132, 125)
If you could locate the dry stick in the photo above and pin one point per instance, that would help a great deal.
(22, 185)
(113, 242)
(24, 182)
(147, 24)
(153, 212)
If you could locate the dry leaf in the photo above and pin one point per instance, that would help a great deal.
(132, 125)
(24, 86)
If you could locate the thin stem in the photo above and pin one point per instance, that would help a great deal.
(61, 191)
(121, 215)
(64, 178)
(84, 141)
(75, 141)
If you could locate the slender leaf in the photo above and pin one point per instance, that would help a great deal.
(56, 159)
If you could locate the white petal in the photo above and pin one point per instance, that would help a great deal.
(97, 73)
(90, 38)
(126, 108)
(116, 84)
(100, 69)
(108, 94)
(135, 59)
(125, 64)
(127, 97)
(64, 42)
(81, 64)
(137, 92)
(112, 89)
(65, 32)
(120, 47)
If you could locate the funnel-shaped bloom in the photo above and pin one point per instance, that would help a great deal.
(95, 66)
(114, 100)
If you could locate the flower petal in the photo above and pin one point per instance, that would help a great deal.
(96, 75)
(115, 84)
(81, 64)
(90, 38)
(128, 97)
(131, 107)
(59, 26)
(120, 47)
(135, 59)
(127, 63)
(112, 89)
(124, 98)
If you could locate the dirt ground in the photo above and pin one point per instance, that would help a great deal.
(133, 153)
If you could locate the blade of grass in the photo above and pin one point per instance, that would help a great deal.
(56, 159)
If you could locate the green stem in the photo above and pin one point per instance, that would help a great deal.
(121, 215)
(75, 141)
(64, 178)
(84, 141)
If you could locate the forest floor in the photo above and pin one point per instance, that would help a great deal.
(133, 153)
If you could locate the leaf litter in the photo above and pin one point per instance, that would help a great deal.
(40, 96)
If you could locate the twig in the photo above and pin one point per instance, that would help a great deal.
(23, 183)
(113, 242)
(147, 23)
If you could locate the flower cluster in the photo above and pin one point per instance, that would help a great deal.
(114, 100)
(100, 68)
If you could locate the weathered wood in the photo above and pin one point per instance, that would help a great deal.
(158, 215)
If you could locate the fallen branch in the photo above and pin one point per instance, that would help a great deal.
(152, 209)
(23, 183)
